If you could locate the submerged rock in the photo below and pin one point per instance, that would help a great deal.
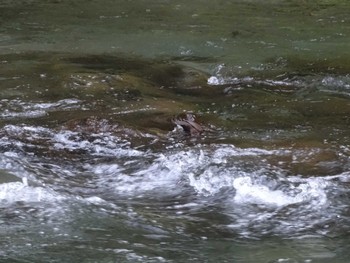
(96, 125)
(7, 177)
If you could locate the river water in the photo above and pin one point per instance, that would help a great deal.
(93, 170)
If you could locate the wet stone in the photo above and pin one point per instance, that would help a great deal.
(6, 177)
(99, 85)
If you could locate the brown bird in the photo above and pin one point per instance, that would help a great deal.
(187, 122)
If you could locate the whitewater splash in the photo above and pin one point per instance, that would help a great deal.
(259, 201)
(328, 83)
(20, 109)
(259, 197)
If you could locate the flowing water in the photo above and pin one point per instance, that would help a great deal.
(93, 170)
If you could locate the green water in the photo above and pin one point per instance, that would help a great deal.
(92, 169)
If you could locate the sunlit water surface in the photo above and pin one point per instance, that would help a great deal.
(92, 170)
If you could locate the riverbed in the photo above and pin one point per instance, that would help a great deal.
(93, 168)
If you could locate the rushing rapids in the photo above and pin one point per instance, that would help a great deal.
(74, 178)
(225, 140)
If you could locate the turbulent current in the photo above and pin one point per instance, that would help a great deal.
(97, 163)
(109, 198)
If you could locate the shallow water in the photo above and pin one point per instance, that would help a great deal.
(93, 170)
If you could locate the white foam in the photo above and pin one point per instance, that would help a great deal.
(61, 104)
(20, 192)
(165, 174)
(209, 183)
(22, 109)
(25, 114)
(223, 151)
(249, 192)
(206, 170)
(104, 144)
(215, 81)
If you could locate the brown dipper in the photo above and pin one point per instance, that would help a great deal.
(187, 122)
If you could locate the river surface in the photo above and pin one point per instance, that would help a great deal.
(92, 168)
